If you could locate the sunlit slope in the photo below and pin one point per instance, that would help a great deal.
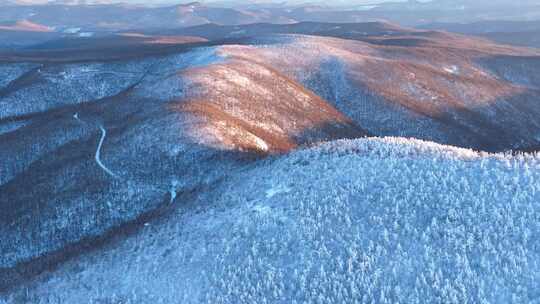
(249, 106)
(442, 87)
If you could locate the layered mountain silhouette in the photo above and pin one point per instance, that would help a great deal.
(96, 16)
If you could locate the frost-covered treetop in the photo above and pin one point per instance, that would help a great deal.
(370, 220)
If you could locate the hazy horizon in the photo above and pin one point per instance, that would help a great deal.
(224, 2)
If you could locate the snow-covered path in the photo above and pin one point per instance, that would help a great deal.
(98, 153)
(98, 149)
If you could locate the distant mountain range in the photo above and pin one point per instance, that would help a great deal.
(102, 15)
(396, 4)
(523, 33)
(24, 22)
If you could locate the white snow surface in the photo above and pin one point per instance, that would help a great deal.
(98, 153)
(355, 221)
(452, 69)
(86, 34)
(72, 30)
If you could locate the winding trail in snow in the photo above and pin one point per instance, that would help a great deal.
(98, 149)
(98, 153)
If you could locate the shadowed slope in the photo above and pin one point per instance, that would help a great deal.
(108, 47)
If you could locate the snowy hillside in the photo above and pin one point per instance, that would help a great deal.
(448, 89)
(90, 147)
(172, 169)
(355, 221)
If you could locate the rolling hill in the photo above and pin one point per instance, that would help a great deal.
(520, 33)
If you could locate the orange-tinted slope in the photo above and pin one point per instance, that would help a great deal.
(443, 81)
(247, 106)
(24, 26)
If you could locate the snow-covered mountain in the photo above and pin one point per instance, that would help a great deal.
(373, 220)
(250, 164)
